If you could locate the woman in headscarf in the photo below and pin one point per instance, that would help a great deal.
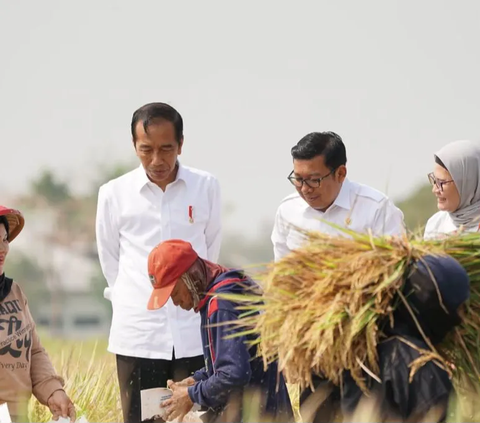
(25, 367)
(456, 184)
(435, 293)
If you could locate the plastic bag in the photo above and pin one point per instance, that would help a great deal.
(67, 420)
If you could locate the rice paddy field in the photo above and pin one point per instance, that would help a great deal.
(91, 380)
(90, 376)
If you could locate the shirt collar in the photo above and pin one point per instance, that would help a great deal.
(142, 178)
(343, 197)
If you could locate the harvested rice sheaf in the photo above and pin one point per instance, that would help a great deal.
(322, 305)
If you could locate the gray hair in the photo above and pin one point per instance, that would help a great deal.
(191, 285)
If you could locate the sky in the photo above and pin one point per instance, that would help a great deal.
(396, 79)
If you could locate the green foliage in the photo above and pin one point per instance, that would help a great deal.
(30, 276)
(418, 207)
(106, 174)
(50, 189)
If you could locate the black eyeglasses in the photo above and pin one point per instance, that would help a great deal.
(436, 182)
(312, 182)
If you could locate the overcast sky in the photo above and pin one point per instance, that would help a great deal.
(396, 79)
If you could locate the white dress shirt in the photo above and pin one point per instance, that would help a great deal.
(133, 216)
(357, 207)
(441, 224)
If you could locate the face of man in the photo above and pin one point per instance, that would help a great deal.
(317, 184)
(181, 296)
(158, 151)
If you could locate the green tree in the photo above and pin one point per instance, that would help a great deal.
(106, 174)
(31, 276)
(48, 188)
(418, 207)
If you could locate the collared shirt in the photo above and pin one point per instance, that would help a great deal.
(357, 207)
(441, 224)
(133, 216)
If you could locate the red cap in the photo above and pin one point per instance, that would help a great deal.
(15, 221)
(166, 263)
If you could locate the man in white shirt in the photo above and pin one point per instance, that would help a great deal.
(324, 194)
(160, 200)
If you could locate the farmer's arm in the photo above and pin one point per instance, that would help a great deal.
(200, 375)
(232, 364)
(213, 231)
(108, 238)
(279, 237)
(389, 220)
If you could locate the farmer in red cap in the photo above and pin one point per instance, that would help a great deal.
(232, 368)
(25, 367)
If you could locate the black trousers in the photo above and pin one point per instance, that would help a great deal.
(136, 374)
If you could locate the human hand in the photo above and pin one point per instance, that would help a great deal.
(189, 381)
(61, 406)
(179, 404)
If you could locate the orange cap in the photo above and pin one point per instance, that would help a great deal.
(166, 263)
(15, 221)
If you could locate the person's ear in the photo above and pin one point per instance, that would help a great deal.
(341, 173)
(180, 145)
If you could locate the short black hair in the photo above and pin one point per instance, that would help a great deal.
(152, 113)
(326, 144)
(439, 162)
(4, 221)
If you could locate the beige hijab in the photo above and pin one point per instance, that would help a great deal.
(462, 160)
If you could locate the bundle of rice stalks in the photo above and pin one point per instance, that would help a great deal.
(323, 303)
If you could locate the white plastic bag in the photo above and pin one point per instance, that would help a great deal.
(191, 417)
(5, 414)
(67, 420)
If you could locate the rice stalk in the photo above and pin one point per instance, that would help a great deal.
(322, 305)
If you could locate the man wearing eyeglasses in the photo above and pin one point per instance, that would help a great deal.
(324, 194)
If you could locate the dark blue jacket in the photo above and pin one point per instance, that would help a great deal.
(231, 366)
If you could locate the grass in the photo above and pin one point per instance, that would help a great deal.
(90, 380)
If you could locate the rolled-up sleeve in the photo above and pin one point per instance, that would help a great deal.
(213, 231)
(108, 239)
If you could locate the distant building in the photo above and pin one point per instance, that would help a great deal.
(73, 308)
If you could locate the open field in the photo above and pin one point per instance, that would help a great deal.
(91, 381)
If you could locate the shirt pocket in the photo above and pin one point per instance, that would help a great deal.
(194, 214)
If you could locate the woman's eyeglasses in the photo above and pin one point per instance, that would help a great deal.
(438, 183)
